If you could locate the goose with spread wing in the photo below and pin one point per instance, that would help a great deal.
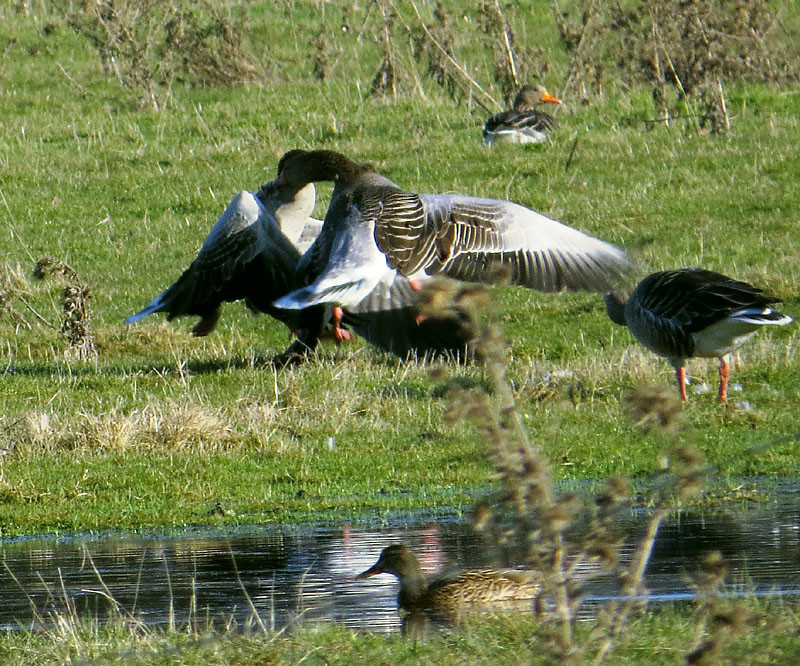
(248, 255)
(691, 312)
(374, 230)
(251, 254)
(523, 123)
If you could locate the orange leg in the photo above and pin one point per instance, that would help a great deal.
(680, 372)
(724, 372)
(416, 285)
(340, 334)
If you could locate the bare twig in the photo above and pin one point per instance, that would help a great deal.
(471, 82)
(507, 44)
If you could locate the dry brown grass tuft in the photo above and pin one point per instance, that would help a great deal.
(157, 426)
(691, 48)
(148, 44)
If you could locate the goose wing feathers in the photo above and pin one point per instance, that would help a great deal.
(520, 120)
(467, 237)
(695, 298)
(245, 256)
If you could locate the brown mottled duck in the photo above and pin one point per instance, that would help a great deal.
(474, 588)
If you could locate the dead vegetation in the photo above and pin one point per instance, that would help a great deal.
(147, 44)
(76, 313)
(18, 297)
(155, 427)
(685, 52)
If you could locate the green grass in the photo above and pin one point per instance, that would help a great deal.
(664, 636)
(163, 426)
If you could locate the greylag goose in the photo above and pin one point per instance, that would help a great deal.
(374, 230)
(246, 256)
(691, 312)
(478, 587)
(524, 123)
(251, 254)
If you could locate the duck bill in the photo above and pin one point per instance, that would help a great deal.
(547, 97)
(369, 573)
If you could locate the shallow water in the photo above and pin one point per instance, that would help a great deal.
(270, 576)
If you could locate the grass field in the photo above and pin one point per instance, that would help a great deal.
(161, 426)
(661, 638)
(121, 178)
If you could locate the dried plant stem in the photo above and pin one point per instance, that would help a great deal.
(578, 57)
(561, 594)
(512, 436)
(507, 45)
(633, 583)
(472, 82)
(722, 105)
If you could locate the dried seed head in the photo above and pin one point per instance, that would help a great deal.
(736, 620)
(617, 492)
(653, 407)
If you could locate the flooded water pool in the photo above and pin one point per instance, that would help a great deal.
(274, 576)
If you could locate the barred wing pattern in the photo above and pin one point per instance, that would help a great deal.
(696, 298)
(509, 120)
(693, 311)
(466, 238)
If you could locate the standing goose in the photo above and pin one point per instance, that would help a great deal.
(691, 312)
(524, 123)
(448, 595)
(252, 253)
(373, 230)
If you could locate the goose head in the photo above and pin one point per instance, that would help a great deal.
(529, 97)
(298, 167)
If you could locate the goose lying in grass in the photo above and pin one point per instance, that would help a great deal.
(691, 312)
(451, 594)
(524, 123)
(251, 254)
(374, 231)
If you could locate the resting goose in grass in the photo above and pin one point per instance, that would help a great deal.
(373, 231)
(524, 123)
(252, 253)
(690, 312)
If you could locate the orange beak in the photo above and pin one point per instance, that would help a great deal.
(547, 97)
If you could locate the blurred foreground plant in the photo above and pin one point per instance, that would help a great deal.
(567, 538)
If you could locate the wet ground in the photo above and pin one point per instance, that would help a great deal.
(270, 576)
